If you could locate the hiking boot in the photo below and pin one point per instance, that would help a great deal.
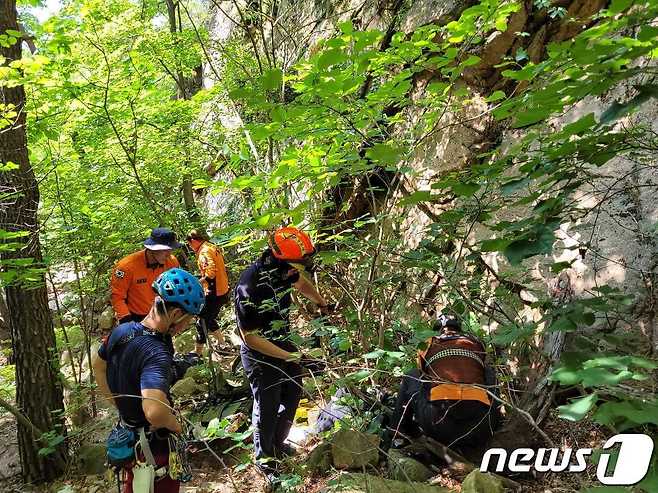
(286, 450)
(273, 482)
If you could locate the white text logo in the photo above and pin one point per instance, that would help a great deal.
(632, 464)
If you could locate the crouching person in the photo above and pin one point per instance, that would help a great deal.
(133, 369)
(445, 397)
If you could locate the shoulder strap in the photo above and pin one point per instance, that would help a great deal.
(138, 330)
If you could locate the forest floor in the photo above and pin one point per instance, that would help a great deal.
(211, 476)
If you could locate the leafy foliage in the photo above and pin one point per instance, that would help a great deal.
(333, 142)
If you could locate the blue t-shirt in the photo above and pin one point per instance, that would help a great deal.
(263, 298)
(138, 359)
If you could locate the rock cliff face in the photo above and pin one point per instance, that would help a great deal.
(616, 243)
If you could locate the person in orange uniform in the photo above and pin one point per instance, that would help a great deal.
(133, 275)
(215, 284)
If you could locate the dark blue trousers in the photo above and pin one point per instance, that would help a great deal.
(277, 388)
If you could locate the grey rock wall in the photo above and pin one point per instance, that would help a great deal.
(620, 228)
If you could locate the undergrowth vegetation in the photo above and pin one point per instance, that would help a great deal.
(124, 137)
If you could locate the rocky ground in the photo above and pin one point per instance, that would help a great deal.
(349, 462)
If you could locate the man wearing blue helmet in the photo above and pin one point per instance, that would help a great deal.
(133, 369)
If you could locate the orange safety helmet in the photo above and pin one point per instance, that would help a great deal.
(291, 244)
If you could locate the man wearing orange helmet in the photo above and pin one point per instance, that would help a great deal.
(271, 361)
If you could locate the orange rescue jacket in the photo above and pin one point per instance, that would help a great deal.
(131, 284)
(211, 266)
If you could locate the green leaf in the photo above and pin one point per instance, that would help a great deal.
(507, 334)
(627, 414)
(360, 375)
(8, 166)
(385, 153)
(518, 250)
(272, 79)
(647, 33)
(265, 220)
(471, 60)
(618, 110)
(331, 57)
(558, 267)
(346, 27)
(465, 189)
(496, 96)
(416, 197)
(495, 245)
(578, 408)
(509, 187)
(501, 23)
(532, 116)
(562, 324)
(590, 377)
(618, 6)
(579, 126)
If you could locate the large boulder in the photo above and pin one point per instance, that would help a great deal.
(90, 459)
(320, 459)
(403, 468)
(200, 374)
(479, 482)
(353, 450)
(365, 483)
(106, 319)
(187, 388)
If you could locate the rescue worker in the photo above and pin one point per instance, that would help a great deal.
(134, 274)
(215, 284)
(133, 369)
(446, 397)
(271, 361)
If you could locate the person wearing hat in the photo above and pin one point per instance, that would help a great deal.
(271, 361)
(133, 275)
(448, 397)
(215, 284)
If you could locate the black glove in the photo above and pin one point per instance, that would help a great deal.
(313, 365)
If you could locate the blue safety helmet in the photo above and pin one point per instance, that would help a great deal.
(182, 288)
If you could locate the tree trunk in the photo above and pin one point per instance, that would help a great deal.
(38, 391)
(185, 89)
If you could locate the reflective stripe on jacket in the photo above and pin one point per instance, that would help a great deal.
(211, 266)
(131, 284)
